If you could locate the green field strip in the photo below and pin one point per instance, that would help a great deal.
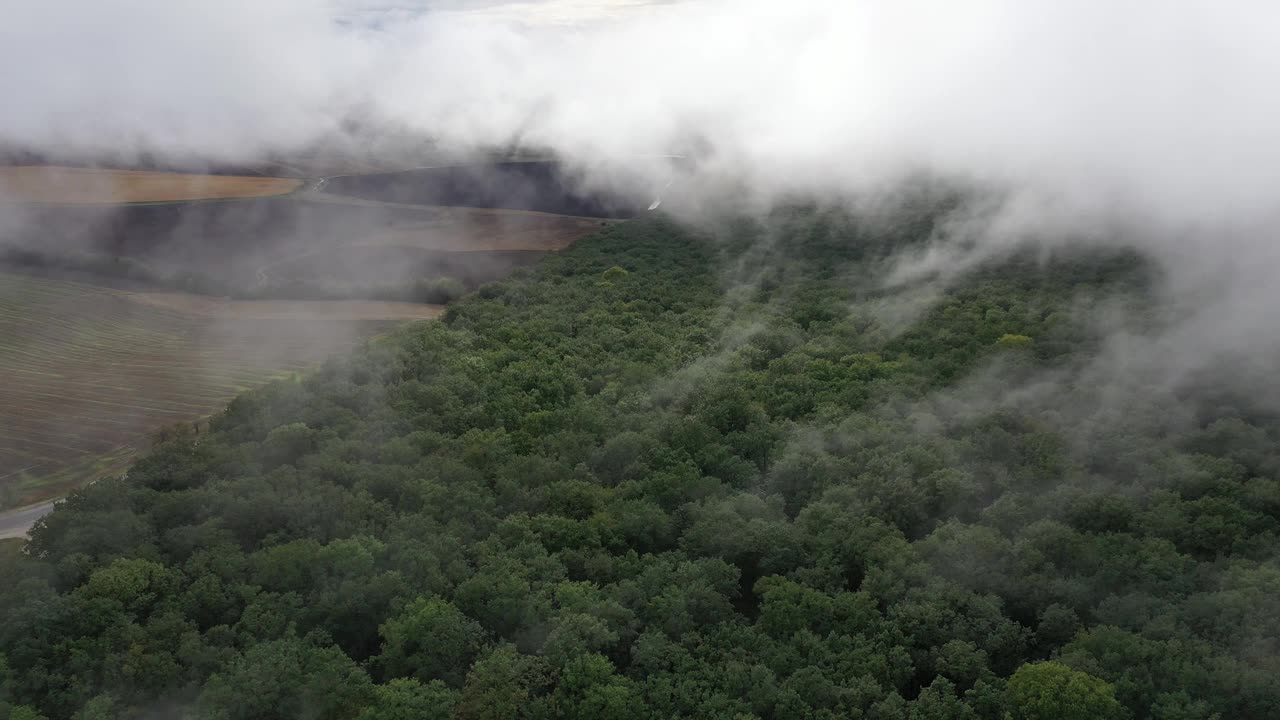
(171, 390)
(209, 380)
(58, 452)
(47, 415)
(45, 406)
(29, 371)
(91, 444)
(115, 344)
(37, 413)
(16, 456)
(60, 431)
(88, 386)
(109, 306)
(205, 345)
(166, 411)
(122, 341)
(53, 482)
(178, 364)
(29, 442)
(187, 387)
(170, 378)
(33, 474)
(178, 412)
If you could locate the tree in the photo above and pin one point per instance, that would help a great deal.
(430, 639)
(589, 688)
(1053, 691)
(502, 685)
(408, 699)
(287, 678)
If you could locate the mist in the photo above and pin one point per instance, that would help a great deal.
(1146, 124)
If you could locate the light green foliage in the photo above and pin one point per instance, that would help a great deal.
(1053, 691)
(19, 712)
(614, 273)
(1009, 340)
(134, 583)
(408, 699)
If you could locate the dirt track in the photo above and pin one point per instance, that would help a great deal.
(17, 523)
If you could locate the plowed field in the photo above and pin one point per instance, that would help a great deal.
(90, 372)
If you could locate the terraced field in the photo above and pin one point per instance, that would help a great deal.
(90, 372)
(50, 184)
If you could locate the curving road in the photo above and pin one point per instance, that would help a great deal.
(17, 523)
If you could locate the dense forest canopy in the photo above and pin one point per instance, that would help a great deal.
(688, 473)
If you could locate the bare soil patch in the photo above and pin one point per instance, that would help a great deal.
(51, 184)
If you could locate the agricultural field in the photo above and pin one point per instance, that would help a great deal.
(91, 372)
(103, 338)
(72, 185)
(308, 245)
(472, 246)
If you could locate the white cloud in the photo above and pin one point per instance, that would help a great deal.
(1157, 120)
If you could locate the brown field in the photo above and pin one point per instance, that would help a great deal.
(91, 372)
(47, 184)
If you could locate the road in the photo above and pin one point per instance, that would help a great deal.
(16, 523)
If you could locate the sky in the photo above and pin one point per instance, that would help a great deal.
(1152, 124)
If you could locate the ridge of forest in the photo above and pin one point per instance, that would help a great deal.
(674, 473)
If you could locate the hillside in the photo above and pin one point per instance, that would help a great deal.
(668, 473)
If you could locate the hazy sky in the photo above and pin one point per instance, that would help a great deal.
(1148, 102)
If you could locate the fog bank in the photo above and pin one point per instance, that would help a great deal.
(1153, 124)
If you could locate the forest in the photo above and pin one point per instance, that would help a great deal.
(708, 472)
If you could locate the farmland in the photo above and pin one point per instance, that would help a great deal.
(73, 185)
(92, 371)
(304, 246)
(117, 314)
(460, 229)
(545, 186)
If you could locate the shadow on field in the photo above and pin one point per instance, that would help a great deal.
(378, 236)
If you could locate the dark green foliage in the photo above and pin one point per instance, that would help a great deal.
(628, 484)
(430, 640)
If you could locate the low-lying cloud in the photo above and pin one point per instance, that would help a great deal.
(1150, 123)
